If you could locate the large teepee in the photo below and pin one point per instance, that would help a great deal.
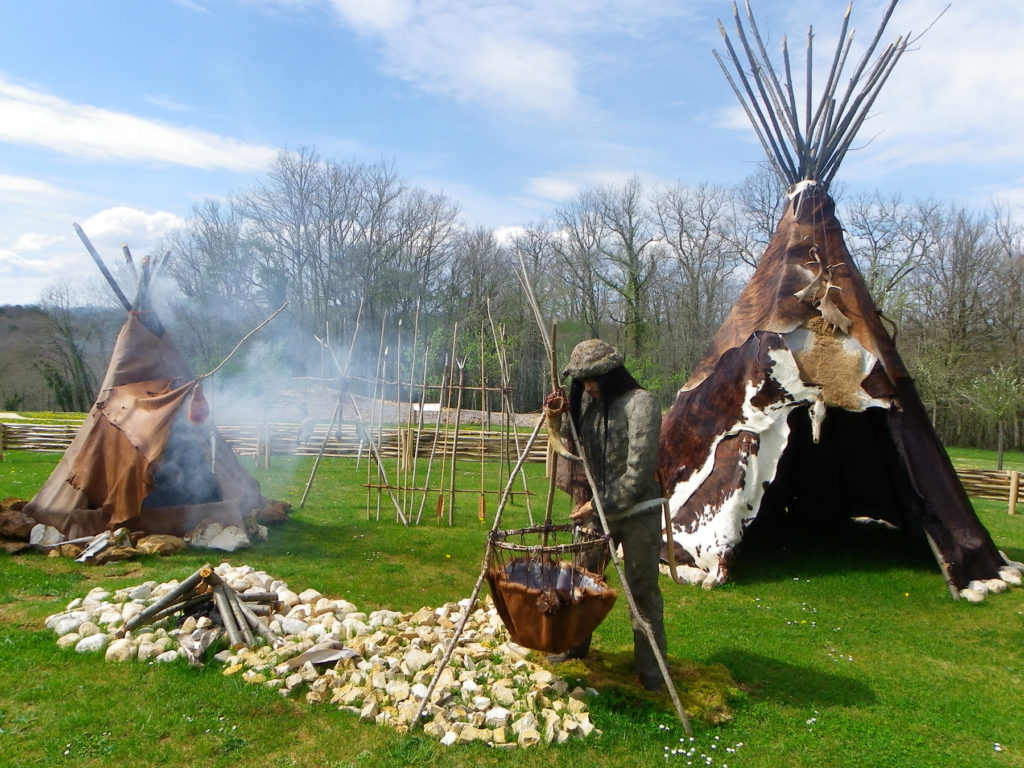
(147, 457)
(802, 408)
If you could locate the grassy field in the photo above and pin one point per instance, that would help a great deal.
(844, 646)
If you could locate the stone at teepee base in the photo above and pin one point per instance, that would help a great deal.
(212, 535)
(15, 524)
(273, 512)
(45, 536)
(160, 544)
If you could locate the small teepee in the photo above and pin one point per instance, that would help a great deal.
(801, 408)
(147, 457)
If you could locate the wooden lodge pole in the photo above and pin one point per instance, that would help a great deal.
(320, 453)
(433, 444)
(419, 425)
(455, 441)
(380, 468)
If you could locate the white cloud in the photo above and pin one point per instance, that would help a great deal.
(554, 188)
(564, 186)
(35, 241)
(15, 188)
(139, 229)
(33, 118)
(510, 56)
(379, 16)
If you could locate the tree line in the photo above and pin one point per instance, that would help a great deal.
(652, 269)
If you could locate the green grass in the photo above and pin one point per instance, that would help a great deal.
(846, 645)
(979, 458)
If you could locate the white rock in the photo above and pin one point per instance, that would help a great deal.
(415, 660)
(148, 650)
(70, 622)
(526, 723)
(497, 717)
(309, 596)
(418, 691)
(228, 540)
(292, 626)
(143, 591)
(122, 649)
(1010, 576)
(87, 628)
(449, 738)
(397, 690)
(45, 536)
(481, 703)
(130, 610)
(995, 586)
(70, 640)
(167, 656)
(92, 643)
(110, 617)
(528, 738)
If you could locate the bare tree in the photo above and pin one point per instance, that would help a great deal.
(756, 211)
(62, 360)
(693, 224)
(888, 241)
(576, 243)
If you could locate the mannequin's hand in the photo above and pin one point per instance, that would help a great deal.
(582, 513)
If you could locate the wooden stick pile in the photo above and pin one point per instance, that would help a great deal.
(239, 613)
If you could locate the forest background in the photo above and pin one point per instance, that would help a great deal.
(653, 270)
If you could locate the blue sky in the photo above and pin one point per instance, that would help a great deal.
(122, 114)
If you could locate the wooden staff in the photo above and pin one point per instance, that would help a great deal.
(254, 620)
(508, 410)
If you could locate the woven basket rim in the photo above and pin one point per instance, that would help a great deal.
(590, 539)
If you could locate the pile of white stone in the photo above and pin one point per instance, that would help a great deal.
(378, 666)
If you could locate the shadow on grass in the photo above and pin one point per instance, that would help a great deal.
(787, 683)
(772, 549)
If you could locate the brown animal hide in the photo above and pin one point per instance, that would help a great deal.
(805, 332)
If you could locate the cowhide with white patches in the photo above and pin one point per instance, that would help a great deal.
(720, 446)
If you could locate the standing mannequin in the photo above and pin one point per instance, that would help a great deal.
(618, 423)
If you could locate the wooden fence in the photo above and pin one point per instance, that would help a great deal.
(995, 484)
(283, 440)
